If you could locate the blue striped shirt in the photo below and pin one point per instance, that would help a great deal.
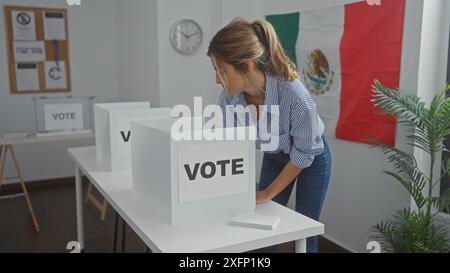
(300, 127)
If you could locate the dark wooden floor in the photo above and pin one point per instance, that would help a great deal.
(55, 209)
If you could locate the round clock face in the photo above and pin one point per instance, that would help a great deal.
(186, 36)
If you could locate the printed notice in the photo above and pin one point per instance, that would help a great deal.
(54, 26)
(55, 75)
(29, 51)
(24, 27)
(27, 77)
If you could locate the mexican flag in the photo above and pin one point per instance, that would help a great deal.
(339, 52)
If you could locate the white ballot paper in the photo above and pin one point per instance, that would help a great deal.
(54, 26)
(24, 27)
(27, 77)
(29, 51)
(55, 75)
(255, 220)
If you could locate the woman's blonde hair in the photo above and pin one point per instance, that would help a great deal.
(256, 41)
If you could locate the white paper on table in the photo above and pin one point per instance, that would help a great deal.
(63, 116)
(54, 26)
(255, 220)
(27, 77)
(29, 51)
(55, 75)
(23, 23)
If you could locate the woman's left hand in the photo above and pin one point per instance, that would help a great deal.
(262, 197)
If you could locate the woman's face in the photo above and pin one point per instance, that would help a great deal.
(232, 80)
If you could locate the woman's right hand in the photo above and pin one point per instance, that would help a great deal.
(262, 197)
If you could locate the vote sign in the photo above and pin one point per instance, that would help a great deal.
(60, 117)
(212, 170)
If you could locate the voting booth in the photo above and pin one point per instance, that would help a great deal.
(189, 180)
(63, 115)
(112, 131)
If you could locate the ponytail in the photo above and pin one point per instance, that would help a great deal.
(275, 56)
(257, 41)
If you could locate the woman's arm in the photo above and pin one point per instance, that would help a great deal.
(286, 177)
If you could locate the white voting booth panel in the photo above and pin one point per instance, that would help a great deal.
(188, 180)
(102, 126)
(112, 124)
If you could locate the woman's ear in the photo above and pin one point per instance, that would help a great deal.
(248, 66)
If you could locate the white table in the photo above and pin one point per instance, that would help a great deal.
(7, 145)
(210, 235)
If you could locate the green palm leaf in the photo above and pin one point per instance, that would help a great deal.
(402, 161)
(391, 102)
(415, 189)
(441, 203)
(409, 110)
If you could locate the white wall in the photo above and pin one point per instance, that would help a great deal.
(137, 50)
(149, 68)
(183, 77)
(249, 9)
(93, 67)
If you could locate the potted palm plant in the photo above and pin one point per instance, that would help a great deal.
(415, 231)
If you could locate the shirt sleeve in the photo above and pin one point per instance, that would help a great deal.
(306, 141)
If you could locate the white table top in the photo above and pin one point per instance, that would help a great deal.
(49, 138)
(210, 235)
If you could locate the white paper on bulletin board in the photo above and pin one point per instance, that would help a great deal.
(54, 26)
(24, 27)
(29, 51)
(27, 77)
(224, 182)
(63, 116)
(55, 75)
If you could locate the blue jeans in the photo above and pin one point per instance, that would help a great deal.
(312, 185)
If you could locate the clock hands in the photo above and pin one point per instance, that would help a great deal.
(184, 34)
(193, 34)
(188, 36)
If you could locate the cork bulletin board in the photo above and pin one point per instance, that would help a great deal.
(37, 49)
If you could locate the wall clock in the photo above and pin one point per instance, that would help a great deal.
(186, 36)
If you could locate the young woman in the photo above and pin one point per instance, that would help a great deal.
(254, 69)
